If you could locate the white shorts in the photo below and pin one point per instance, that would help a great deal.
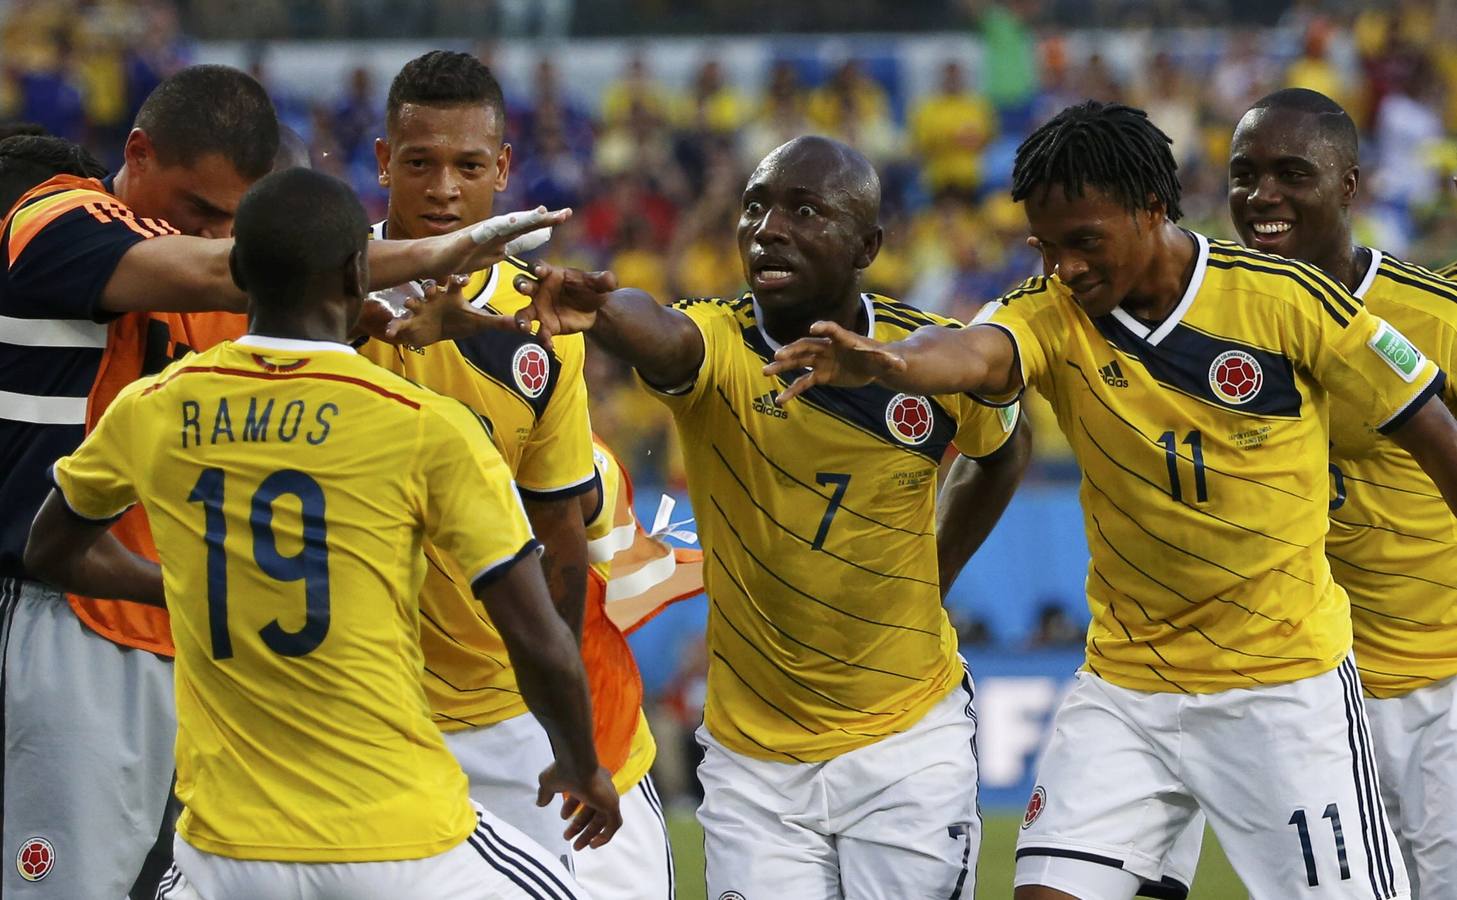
(896, 820)
(1416, 754)
(637, 864)
(89, 733)
(503, 763)
(1284, 773)
(496, 862)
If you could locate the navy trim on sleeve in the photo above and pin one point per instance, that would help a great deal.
(494, 573)
(571, 490)
(1016, 361)
(66, 502)
(1432, 389)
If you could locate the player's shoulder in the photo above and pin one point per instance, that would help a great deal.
(741, 306)
(1409, 285)
(1234, 268)
(895, 319)
(67, 198)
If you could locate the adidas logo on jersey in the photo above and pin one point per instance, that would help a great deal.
(765, 405)
(1113, 375)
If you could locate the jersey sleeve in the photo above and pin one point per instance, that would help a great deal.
(712, 318)
(981, 430)
(1370, 364)
(63, 249)
(1027, 316)
(472, 509)
(556, 460)
(97, 481)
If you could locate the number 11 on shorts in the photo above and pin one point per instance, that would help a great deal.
(1333, 813)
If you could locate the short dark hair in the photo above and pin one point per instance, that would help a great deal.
(1109, 146)
(292, 228)
(11, 129)
(208, 109)
(444, 78)
(26, 160)
(1331, 118)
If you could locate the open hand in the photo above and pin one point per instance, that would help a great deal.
(835, 356)
(591, 805)
(563, 300)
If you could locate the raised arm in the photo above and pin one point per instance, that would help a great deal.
(1430, 437)
(933, 360)
(554, 685)
(973, 498)
(82, 557)
(177, 273)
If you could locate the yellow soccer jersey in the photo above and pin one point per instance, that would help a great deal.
(825, 626)
(535, 404)
(1203, 447)
(289, 485)
(1393, 540)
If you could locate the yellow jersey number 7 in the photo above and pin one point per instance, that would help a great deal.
(310, 565)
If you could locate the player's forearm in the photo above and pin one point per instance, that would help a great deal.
(661, 343)
(972, 500)
(559, 526)
(393, 263)
(1430, 437)
(176, 273)
(548, 664)
(949, 361)
(84, 558)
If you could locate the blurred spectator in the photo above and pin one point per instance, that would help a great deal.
(1009, 60)
(636, 90)
(1167, 96)
(1314, 70)
(1055, 628)
(358, 116)
(949, 130)
(781, 117)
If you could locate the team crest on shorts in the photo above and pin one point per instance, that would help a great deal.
(35, 859)
(1035, 806)
(1235, 377)
(530, 367)
(909, 418)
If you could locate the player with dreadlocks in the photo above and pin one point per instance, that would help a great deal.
(1192, 379)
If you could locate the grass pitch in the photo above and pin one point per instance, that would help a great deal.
(1214, 881)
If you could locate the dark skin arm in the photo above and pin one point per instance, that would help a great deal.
(82, 557)
(661, 343)
(554, 684)
(973, 498)
(558, 524)
(932, 360)
(1430, 437)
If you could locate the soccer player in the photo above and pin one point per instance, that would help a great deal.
(289, 485)
(839, 726)
(96, 290)
(1218, 674)
(1293, 175)
(443, 158)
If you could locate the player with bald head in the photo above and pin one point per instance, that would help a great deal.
(838, 726)
(1293, 175)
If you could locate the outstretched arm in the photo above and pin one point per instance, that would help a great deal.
(1430, 437)
(177, 273)
(663, 345)
(933, 360)
(975, 495)
(554, 684)
(83, 557)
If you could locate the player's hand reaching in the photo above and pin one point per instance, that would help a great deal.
(591, 805)
(563, 300)
(486, 243)
(833, 356)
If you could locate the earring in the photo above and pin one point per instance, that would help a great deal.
(384, 179)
